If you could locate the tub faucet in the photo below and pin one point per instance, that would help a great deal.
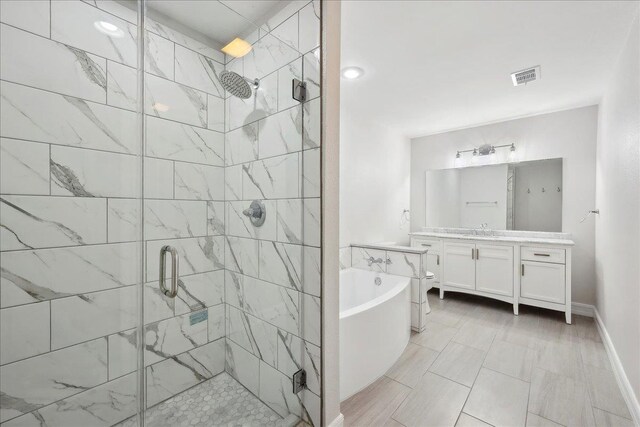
(371, 260)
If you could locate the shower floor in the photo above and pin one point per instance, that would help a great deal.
(220, 401)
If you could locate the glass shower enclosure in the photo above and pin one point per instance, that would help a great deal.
(160, 213)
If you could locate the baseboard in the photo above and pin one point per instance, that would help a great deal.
(582, 309)
(618, 370)
(338, 422)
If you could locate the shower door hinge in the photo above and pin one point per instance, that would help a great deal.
(299, 381)
(298, 90)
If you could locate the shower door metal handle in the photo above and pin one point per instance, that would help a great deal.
(174, 271)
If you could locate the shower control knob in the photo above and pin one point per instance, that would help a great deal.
(256, 213)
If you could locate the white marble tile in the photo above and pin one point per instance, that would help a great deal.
(311, 270)
(241, 255)
(271, 303)
(345, 257)
(241, 145)
(286, 74)
(36, 115)
(159, 56)
(311, 127)
(123, 355)
(272, 178)
(280, 16)
(88, 316)
(171, 376)
(311, 222)
(91, 173)
(199, 291)
(170, 337)
(158, 178)
(122, 86)
(311, 69)
(268, 54)
(287, 32)
(173, 101)
(31, 222)
(311, 309)
(295, 354)
(165, 219)
(170, 140)
(233, 182)
(123, 220)
(116, 8)
(215, 217)
(24, 331)
(359, 257)
(217, 321)
(277, 393)
(200, 182)
(239, 225)
(24, 167)
(264, 102)
(280, 133)
(157, 306)
(309, 37)
(72, 23)
(290, 220)
(311, 407)
(32, 16)
(184, 40)
(41, 380)
(281, 264)
(41, 275)
(69, 71)
(101, 406)
(403, 264)
(311, 173)
(197, 255)
(243, 366)
(198, 71)
(215, 113)
(252, 334)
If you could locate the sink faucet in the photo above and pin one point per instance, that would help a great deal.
(371, 260)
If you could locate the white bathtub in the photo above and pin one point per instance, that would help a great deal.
(375, 326)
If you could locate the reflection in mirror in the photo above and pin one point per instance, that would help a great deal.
(518, 196)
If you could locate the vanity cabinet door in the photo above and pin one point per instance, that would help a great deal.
(542, 281)
(459, 265)
(494, 269)
(434, 265)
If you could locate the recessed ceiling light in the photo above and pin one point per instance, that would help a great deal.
(108, 28)
(352, 72)
(237, 48)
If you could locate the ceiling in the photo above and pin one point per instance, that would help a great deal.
(219, 21)
(435, 66)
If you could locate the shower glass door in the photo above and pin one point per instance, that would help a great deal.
(123, 149)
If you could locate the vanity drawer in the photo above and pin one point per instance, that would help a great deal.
(432, 245)
(531, 253)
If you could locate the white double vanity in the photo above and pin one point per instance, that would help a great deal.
(532, 268)
(494, 230)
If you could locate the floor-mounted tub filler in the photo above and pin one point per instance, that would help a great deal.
(375, 326)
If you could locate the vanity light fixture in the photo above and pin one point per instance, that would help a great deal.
(352, 73)
(487, 149)
(108, 28)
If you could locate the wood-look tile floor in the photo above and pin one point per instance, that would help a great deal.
(479, 365)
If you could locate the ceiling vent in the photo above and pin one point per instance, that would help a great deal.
(528, 75)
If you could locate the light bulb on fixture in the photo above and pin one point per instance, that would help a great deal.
(512, 152)
(458, 161)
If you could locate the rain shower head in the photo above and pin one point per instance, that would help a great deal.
(237, 85)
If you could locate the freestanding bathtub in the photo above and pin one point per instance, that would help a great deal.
(375, 326)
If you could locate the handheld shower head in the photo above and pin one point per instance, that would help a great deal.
(237, 85)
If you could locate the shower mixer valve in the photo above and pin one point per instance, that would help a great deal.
(256, 213)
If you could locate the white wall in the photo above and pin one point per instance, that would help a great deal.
(568, 134)
(374, 181)
(443, 191)
(618, 197)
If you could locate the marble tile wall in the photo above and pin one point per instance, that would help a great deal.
(71, 213)
(272, 146)
(399, 263)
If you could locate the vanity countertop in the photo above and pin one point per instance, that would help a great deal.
(496, 238)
